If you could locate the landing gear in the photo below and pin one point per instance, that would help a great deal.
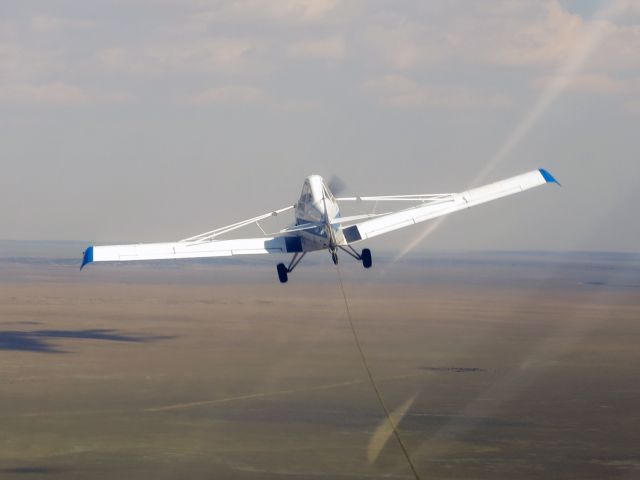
(284, 271)
(366, 258)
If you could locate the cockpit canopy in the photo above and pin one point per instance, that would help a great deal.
(313, 198)
(314, 190)
(306, 196)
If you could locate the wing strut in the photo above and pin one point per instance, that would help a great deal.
(210, 235)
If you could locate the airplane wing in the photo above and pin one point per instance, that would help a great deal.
(199, 246)
(434, 206)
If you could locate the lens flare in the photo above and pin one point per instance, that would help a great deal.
(384, 431)
(596, 32)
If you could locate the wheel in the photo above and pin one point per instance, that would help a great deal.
(283, 273)
(366, 258)
(334, 257)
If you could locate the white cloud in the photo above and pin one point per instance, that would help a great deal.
(598, 83)
(450, 38)
(619, 48)
(286, 9)
(206, 16)
(46, 23)
(403, 44)
(113, 58)
(556, 37)
(283, 11)
(20, 63)
(540, 34)
(289, 105)
(243, 94)
(398, 91)
(331, 48)
(500, 32)
(248, 95)
(222, 55)
(58, 94)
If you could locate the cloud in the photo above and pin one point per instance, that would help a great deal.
(21, 63)
(542, 34)
(58, 94)
(619, 48)
(556, 85)
(247, 95)
(596, 83)
(289, 105)
(331, 48)
(242, 94)
(114, 58)
(403, 44)
(248, 41)
(282, 11)
(304, 10)
(221, 55)
(46, 23)
(556, 36)
(538, 34)
(398, 91)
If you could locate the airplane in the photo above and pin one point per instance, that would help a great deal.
(319, 225)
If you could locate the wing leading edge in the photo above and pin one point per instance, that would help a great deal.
(446, 205)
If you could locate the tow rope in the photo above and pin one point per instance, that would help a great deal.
(372, 381)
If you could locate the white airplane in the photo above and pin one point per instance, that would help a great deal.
(319, 225)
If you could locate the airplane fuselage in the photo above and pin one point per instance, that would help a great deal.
(318, 205)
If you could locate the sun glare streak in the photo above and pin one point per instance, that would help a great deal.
(575, 326)
(578, 324)
(384, 431)
(562, 79)
(565, 74)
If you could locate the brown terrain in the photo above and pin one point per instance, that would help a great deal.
(497, 365)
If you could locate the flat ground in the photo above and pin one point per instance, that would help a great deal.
(507, 366)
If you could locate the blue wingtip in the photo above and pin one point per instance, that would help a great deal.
(87, 258)
(547, 176)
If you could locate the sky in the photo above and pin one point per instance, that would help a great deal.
(141, 120)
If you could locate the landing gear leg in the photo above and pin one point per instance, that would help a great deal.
(334, 256)
(284, 271)
(364, 257)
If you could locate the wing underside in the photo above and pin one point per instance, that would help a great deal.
(178, 250)
(200, 246)
(445, 204)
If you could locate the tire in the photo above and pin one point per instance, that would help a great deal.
(283, 273)
(366, 258)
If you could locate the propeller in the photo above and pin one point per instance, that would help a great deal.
(336, 185)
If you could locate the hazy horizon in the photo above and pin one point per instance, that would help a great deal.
(69, 249)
